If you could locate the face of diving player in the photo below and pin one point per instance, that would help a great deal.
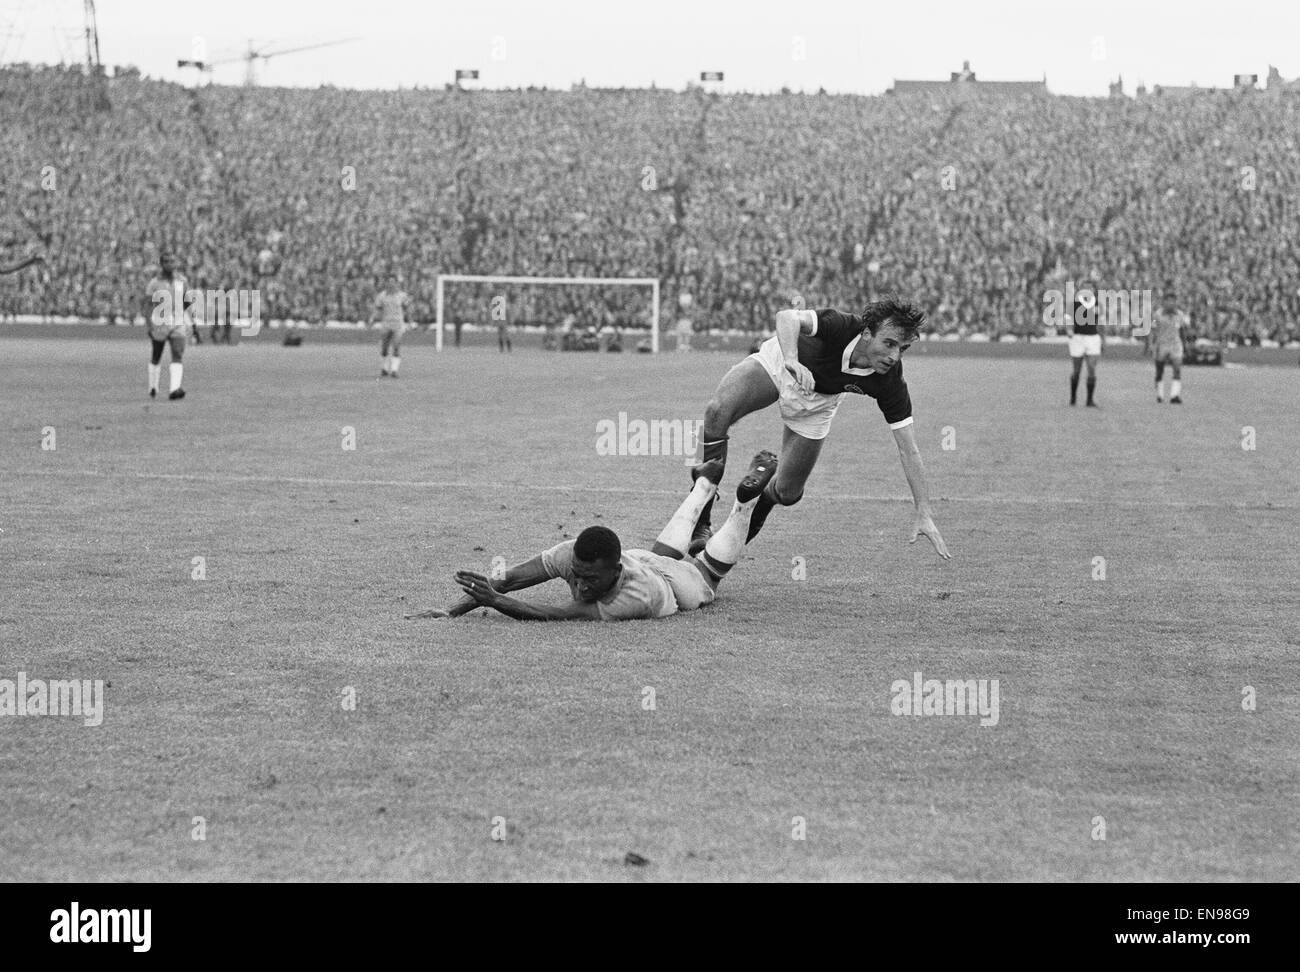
(595, 578)
(884, 349)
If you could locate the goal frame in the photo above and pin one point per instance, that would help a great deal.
(651, 282)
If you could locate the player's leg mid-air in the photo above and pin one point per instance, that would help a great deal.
(722, 550)
(608, 583)
(813, 361)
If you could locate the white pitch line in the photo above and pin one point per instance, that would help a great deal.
(1108, 502)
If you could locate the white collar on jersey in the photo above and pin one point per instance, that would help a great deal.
(848, 353)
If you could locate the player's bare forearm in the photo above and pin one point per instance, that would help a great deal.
(481, 589)
(787, 334)
(523, 611)
(913, 468)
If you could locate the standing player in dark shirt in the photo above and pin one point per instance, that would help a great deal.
(815, 359)
(1085, 344)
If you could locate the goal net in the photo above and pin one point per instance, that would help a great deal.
(583, 304)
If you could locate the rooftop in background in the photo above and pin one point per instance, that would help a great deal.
(965, 78)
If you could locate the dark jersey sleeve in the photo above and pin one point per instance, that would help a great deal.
(835, 329)
(894, 401)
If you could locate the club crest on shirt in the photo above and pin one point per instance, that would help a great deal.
(855, 389)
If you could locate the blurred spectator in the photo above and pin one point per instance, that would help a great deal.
(971, 206)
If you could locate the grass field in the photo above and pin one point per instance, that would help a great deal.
(1121, 698)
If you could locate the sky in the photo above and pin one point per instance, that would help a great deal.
(761, 45)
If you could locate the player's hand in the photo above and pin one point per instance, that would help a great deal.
(477, 586)
(924, 524)
(796, 301)
(802, 377)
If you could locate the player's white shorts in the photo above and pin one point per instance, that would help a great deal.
(172, 334)
(807, 414)
(1169, 355)
(688, 584)
(1085, 344)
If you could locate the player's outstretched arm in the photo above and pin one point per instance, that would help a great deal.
(481, 590)
(914, 470)
(516, 578)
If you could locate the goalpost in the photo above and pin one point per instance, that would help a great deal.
(651, 282)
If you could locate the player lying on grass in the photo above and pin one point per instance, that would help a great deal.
(815, 359)
(609, 583)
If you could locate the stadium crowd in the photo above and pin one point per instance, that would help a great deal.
(970, 204)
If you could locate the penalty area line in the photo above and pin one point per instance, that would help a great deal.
(235, 478)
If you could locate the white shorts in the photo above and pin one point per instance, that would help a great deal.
(807, 414)
(1085, 344)
(1169, 355)
(688, 584)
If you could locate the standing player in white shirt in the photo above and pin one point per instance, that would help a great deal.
(169, 323)
(390, 307)
(1166, 342)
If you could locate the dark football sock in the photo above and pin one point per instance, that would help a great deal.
(763, 507)
(715, 567)
(717, 449)
(1092, 385)
(1074, 388)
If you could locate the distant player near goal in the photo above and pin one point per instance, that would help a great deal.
(609, 583)
(1166, 342)
(813, 361)
(390, 307)
(169, 323)
(1085, 345)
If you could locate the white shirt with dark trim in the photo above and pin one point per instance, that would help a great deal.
(826, 353)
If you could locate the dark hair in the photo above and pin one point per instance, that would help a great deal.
(597, 543)
(904, 315)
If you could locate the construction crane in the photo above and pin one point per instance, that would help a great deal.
(253, 55)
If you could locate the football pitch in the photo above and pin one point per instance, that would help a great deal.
(236, 566)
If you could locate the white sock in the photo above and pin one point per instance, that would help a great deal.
(726, 545)
(677, 534)
(176, 369)
(396, 361)
(155, 372)
(1176, 389)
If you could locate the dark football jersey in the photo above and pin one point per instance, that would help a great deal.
(826, 354)
(1085, 315)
